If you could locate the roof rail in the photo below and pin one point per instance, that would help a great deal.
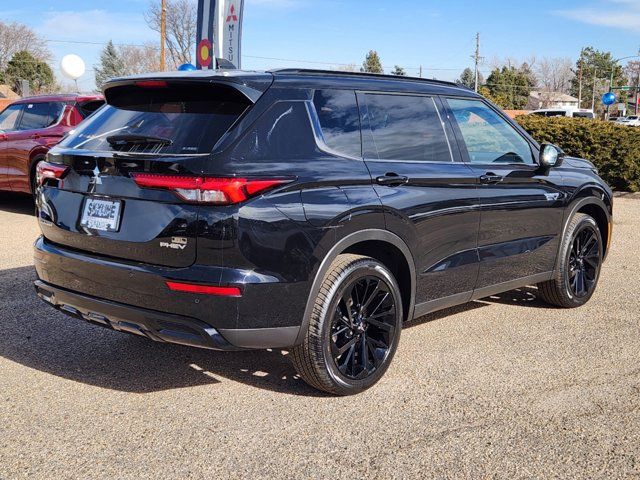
(310, 71)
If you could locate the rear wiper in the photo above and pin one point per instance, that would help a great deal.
(132, 139)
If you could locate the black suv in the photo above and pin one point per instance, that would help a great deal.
(310, 210)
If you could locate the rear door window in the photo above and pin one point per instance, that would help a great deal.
(405, 127)
(36, 116)
(339, 119)
(9, 117)
(162, 119)
(487, 136)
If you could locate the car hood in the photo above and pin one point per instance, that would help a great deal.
(576, 162)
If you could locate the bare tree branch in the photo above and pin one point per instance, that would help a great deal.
(16, 37)
(181, 28)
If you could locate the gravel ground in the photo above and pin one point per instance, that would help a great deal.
(500, 388)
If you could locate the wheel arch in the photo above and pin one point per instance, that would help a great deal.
(396, 256)
(596, 208)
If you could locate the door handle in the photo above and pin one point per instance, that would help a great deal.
(490, 177)
(391, 179)
(36, 135)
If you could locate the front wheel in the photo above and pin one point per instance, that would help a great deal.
(578, 266)
(354, 328)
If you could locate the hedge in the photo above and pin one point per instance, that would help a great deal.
(614, 149)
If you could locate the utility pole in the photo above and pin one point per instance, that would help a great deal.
(580, 84)
(420, 71)
(593, 97)
(163, 33)
(476, 59)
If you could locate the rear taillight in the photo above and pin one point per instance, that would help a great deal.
(204, 289)
(50, 171)
(217, 191)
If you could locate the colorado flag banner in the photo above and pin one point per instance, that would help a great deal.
(205, 39)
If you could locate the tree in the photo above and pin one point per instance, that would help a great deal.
(24, 66)
(142, 59)
(182, 17)
(111, 65)
(554, 74)
(632, 71)
(16, 37)
(509, 87)
(468, 78)
(399, 71)
(372, 63)
(599, 65)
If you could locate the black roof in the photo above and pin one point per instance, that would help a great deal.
(308, 78)
(375, 81)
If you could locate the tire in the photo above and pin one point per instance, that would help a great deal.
(358, 309)
(576, 275)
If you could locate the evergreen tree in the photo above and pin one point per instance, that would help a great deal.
(111, 65)
(398, 70)
(24, 66)
(599, 65)
(468, 78)
(372, 63)
(509, 87)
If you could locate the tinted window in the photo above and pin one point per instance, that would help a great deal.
(406, 128)
(9, 117)
(88, 107)
(182, 119)
(339, 120)
(488, 137)
(35, 116)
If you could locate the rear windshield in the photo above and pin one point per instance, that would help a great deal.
(160, 119)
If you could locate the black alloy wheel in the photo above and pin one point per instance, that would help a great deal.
(363, 328)
(354, 328)
(578, 265)
(584, 261)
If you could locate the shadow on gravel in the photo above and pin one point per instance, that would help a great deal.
(15, 203)
(37, 336)
(521, 297)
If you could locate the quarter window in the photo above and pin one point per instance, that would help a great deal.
(9, 117)
(406, 128)
(487, 136)
(339, 120)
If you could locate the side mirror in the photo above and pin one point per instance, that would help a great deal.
(550, 156)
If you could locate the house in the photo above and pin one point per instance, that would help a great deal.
(538, 99)
(7, 96)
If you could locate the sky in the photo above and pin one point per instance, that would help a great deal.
(439, 36)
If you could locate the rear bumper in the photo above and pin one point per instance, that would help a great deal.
(134, 298)
(158, 326)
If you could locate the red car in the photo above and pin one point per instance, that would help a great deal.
(30, 127)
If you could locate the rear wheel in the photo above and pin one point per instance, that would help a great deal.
(578, 268)
(354, 327)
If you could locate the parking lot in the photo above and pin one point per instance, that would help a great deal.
(503, 387)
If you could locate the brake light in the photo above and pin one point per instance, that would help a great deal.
(151, 84)
(217, 191)
(46, 171)
(204, 289)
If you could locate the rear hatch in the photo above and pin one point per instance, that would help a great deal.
(97, 187)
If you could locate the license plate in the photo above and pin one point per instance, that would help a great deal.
(101, 214)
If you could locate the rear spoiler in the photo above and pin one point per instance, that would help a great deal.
(250, 85)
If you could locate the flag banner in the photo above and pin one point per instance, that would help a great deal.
(205, 38)
(229, 31)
